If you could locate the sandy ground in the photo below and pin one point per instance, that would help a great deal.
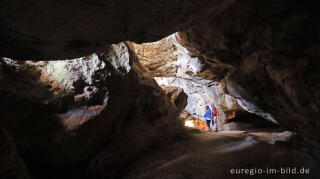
(206, 155)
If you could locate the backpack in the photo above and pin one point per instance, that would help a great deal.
(215, 112)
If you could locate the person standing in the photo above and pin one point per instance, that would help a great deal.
(214, 115)
(208, 117)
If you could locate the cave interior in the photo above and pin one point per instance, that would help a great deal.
(118, 89)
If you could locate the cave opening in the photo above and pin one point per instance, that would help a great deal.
(176, 71)
(119, 90)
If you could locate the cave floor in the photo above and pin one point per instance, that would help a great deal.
(203, 155)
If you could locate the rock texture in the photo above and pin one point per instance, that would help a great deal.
(51, 29)
(177, 96)
(66, 115)
(208, 156)
(266, 55)
(247, 42)
(158, 57)
(173, 65)
(89, 117)
(244, 121)
(11, 165)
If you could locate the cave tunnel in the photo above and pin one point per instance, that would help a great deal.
(119, 89)
(179, 74)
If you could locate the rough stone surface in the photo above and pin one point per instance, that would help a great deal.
(151, 121)
(208, 156)
(106, 109)
(266, 55)
(62, 114)
(178, 68)
(177, 96)
(244, 121)
(11, 165)
(49, 29)
(158, 57)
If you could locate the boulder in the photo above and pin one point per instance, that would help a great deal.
(62, 114)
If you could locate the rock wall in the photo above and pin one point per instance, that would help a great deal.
(173, 65)
(266, 55)
(65, 116)
(50, 29)
(158, 57)
(11, 164)
(177, 96)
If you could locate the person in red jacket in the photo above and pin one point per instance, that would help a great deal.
(214, 114)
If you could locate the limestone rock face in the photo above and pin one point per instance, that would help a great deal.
(67, 114)
(177, 96)
(266, 55)
(158, 57)
(11, 165)
(50, 29)
(178, 68)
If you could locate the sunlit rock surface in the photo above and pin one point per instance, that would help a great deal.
(158, 57)
(84, 113)
(172, 65)
(266, 53)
